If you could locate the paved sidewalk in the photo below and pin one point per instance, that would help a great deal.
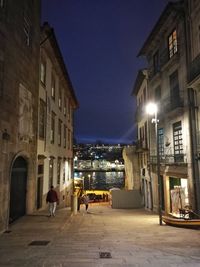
(129, 238)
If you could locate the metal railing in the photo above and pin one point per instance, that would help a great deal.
(169, 157)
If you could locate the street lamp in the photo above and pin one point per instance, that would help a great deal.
(152, 109)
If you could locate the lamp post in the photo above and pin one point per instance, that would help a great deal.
(83, 183)
(152, 109)
(89, 176)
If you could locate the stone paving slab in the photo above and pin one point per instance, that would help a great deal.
(133, 237)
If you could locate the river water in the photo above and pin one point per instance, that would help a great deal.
(101, 180)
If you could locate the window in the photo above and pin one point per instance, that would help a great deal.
(65, 136)
(178, 142)
(65, 106)
(50, 172)
(53, 87)
(40, 175)
(27, 31)
(52, 137)
(156, 64)
(43, 72)
(69, 139)
(42, 116)
(64, 171)
(69, 110)
(40, 168)
(60, 99)
(174, 90)
(172, 44)
(58, 170)
(161, 142)
(59, 132)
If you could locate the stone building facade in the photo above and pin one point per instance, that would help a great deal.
(19, 78)
(57, 102)
(165, 50)
(37, 102)
(193, 84)
(140, 91)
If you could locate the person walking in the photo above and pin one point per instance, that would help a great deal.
(52, 199)
(86, 201)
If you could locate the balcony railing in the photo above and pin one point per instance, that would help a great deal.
(194, 68)
(169, 157)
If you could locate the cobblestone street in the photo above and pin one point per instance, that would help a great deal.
(126, 238)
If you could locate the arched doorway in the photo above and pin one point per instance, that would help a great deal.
(18, 189)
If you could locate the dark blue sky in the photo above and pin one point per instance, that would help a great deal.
(99, 41)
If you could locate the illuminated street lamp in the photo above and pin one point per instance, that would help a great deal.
(152, 109)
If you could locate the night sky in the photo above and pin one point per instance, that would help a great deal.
(99, 41)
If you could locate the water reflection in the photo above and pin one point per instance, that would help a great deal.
(101, 180)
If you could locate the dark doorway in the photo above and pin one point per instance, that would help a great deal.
(39, 192)
(18, 189)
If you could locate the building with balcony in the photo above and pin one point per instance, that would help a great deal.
(140, 91)
(166, 54)
(193, 51)
(57, 102)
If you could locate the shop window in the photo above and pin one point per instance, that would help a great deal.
(178, 194)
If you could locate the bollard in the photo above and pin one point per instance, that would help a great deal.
(74, 203)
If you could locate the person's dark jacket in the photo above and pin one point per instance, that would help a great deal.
(52, 196)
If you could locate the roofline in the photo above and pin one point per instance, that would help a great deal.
(50, 35)
(138, 81)
(166, 12)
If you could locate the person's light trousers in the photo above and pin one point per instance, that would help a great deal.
(52, 208)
